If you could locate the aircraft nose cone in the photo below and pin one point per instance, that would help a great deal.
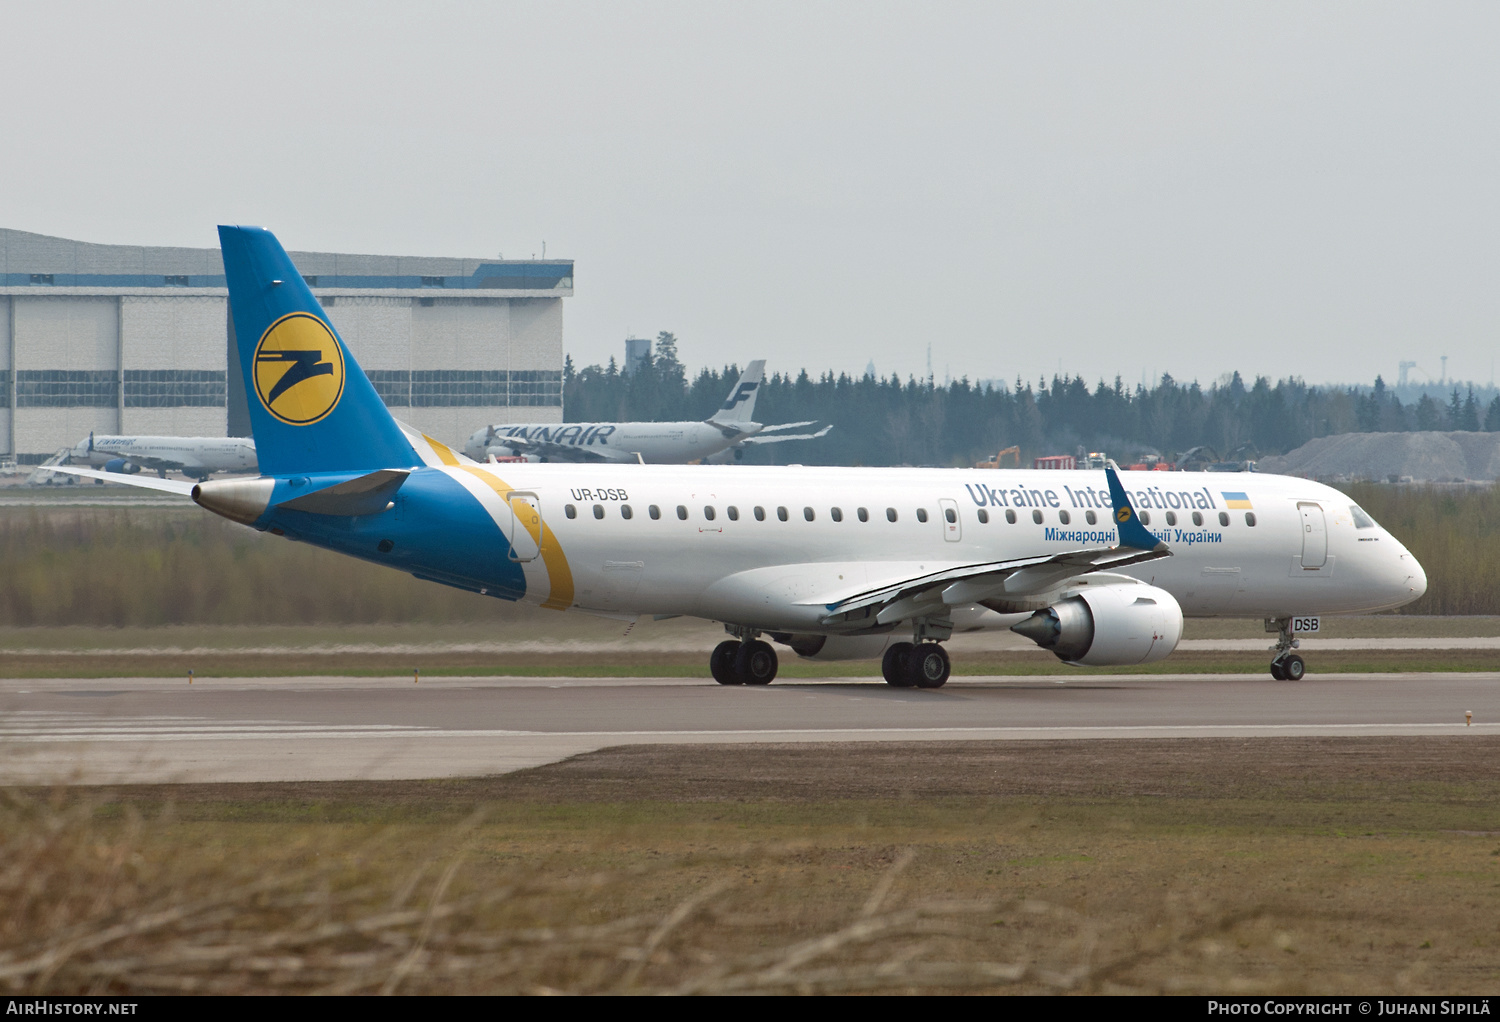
(1416, 577)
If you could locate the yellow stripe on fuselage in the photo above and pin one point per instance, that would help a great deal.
(559, 574)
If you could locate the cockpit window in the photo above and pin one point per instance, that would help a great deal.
(1361, 520)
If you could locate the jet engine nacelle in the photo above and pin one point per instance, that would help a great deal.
(1108, 626)
(121, 465)
(836, 647)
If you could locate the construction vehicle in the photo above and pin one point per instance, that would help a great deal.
(1013, 452)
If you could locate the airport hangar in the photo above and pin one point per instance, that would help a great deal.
(136, 340)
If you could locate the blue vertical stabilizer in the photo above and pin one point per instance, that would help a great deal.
(311, 407)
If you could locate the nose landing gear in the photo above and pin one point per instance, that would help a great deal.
(1285, 665)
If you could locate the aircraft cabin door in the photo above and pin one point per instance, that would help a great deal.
(525, 525)
(1314, 536)
(952, 527)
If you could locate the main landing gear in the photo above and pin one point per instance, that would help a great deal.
(1285, 665)
(916, 665)
(748, 662)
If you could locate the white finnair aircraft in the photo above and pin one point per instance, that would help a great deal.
(196, 456)
(834, 563)
(652, 443)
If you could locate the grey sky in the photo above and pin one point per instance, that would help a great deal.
(1098, 188)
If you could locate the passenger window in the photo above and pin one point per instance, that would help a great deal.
(598, 510)
(682, 512)
(1223, 517)
(837, 514)
(984, 516)
(654, 512)
(1010, 516)
(1091, 518)
(625, 511)
(781, 513)
(807, 513)
(1171, 517)
(733, 513)
(760, 513)
(1197, 517)
(1036, 516)
(1361, 520)
(1064, 517)
(890, 514)
(864, 515)
(1250, 518)
(570, 511)
(951, 515)
(1145, 517)
(921, 514)
(708, 512)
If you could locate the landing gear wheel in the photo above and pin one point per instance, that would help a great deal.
(1293, 667)
(755, 663)
(721, 663)
(893, 666)
(928, 666)
(1277, 671)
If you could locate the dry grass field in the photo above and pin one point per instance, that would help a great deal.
(1269, 866)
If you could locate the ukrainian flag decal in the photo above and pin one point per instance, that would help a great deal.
(299, 369)
(1237, 500)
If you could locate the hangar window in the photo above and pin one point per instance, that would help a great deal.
(807, 513)
(1010, 516)
(598, 510)
(1197, 517)
(921, 514)
(571, 510)
(434, 282)
(175, 280)
(1064, 517)
(41, 278)
(427, 303)
(1250, 518)
(984, 516)
(310, 279)
(1145, 517)
(654, 512)
(864, 514)
(682, 512)
(1171, 517)
(733, 513)
(1091, 518)
(890, 514)
(708, 512)
(760, 513)
(1361, 520)
(626, 512)
(1036, 516)
(1223, 517)
(837, 514)
(781, 513)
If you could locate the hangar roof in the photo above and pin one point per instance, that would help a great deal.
(28, 259)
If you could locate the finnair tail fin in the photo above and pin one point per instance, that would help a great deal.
(740, 405)
(312, 409)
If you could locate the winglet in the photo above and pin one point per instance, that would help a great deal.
(1132, 532)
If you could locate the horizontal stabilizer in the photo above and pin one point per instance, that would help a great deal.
(763, 439)
(366, 495)
(181, 486)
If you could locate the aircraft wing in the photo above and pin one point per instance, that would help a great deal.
(548, 449)
(181, 486)
(761, 438)
(1017, 577)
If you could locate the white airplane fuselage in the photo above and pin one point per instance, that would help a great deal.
(198, 457)
(707, 554)
(656, 443)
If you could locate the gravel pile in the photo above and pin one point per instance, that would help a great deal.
(1421, 457)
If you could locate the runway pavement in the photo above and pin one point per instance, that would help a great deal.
(282, 729)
